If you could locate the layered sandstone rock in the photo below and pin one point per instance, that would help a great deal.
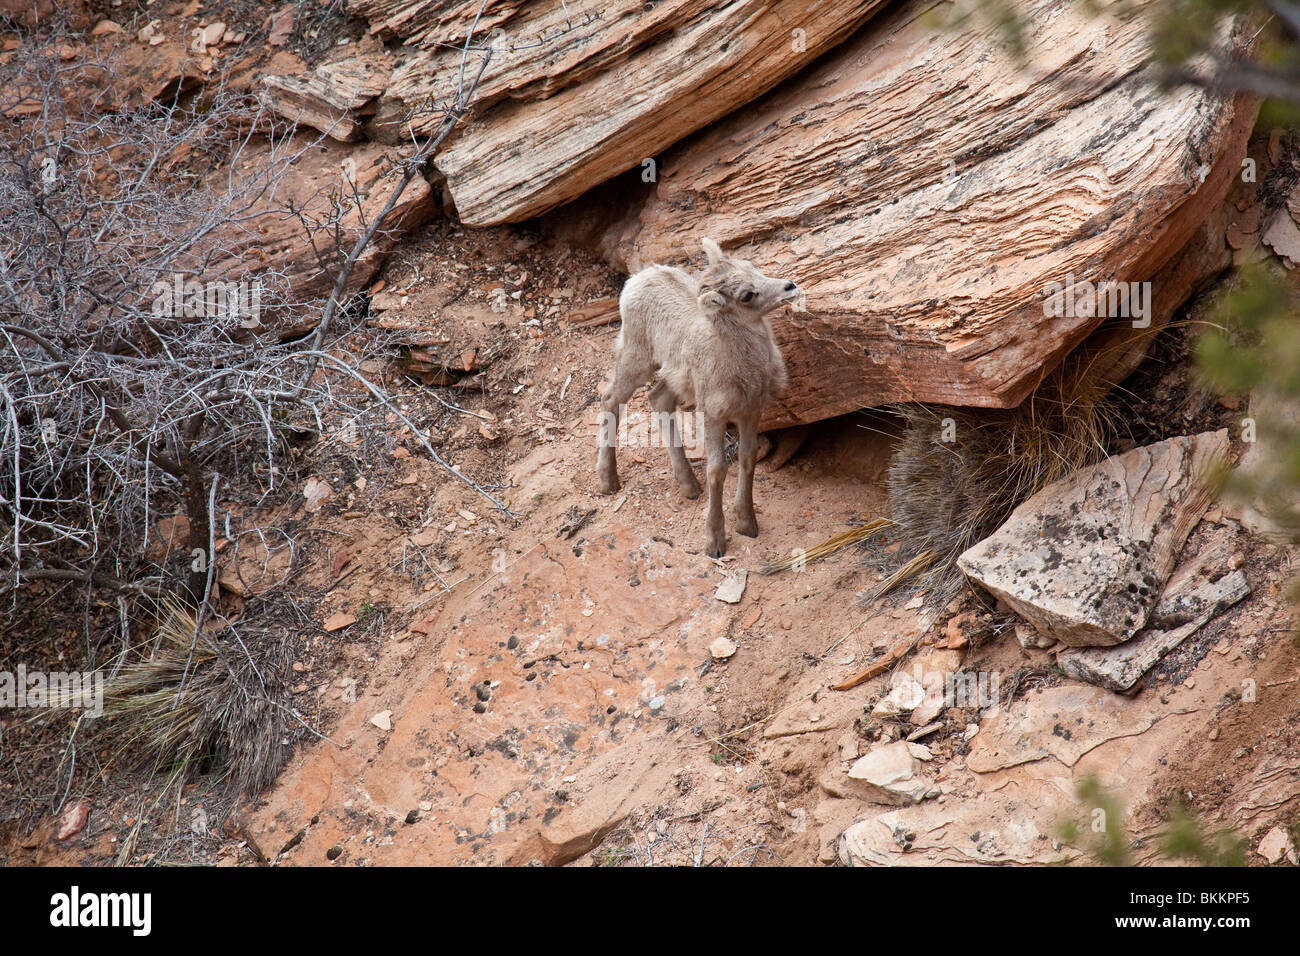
(336, 97)
(927, 188)
(576, 93)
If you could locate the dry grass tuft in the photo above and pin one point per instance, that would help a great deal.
(828, 547)
(201, 703)
(947, 495)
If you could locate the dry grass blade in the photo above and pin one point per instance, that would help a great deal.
(909, 570)
(828, 547)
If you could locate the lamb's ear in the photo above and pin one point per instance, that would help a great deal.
(711, 301)
(712, 250)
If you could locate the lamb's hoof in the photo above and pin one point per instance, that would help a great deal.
(717, 549)
(691, 492)
(747, 526)
(608, 486)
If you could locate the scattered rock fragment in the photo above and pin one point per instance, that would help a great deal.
(1276, 847)
(722, 648)
(732, 587)
(339, 620)
(1030, 638)
(210, 35)
(73, 820)
(316, 491)
(1282, 235)
(281, 27)
(932, 705)
(383, 720)
(230, 581)
(905, 694)
(892, 774)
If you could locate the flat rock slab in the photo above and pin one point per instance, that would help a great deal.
(925, 189)
(995, 830)
(1064, 722)
(1196, 592)
(732, 588)
(1086, 559)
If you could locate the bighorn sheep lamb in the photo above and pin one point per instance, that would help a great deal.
(704, 341)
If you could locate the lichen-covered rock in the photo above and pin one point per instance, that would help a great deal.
(1086, 559)
(1196, 592)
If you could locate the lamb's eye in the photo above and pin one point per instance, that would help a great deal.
(748, 296)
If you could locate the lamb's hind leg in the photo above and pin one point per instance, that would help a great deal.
(664, 402)
(746, 523)
(715, 441)
(629, 374)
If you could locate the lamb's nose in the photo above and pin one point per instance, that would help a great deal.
(790, 287)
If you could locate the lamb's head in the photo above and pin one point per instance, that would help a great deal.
(734, 286)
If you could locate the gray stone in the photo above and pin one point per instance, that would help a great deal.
(1085, 560)
(732, 588)
(1196, 592)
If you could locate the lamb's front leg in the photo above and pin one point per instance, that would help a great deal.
(715, 443)
(746, 523)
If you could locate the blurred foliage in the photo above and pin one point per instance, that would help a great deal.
(1183, 838)
(1101, 835)
(1254, 347)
